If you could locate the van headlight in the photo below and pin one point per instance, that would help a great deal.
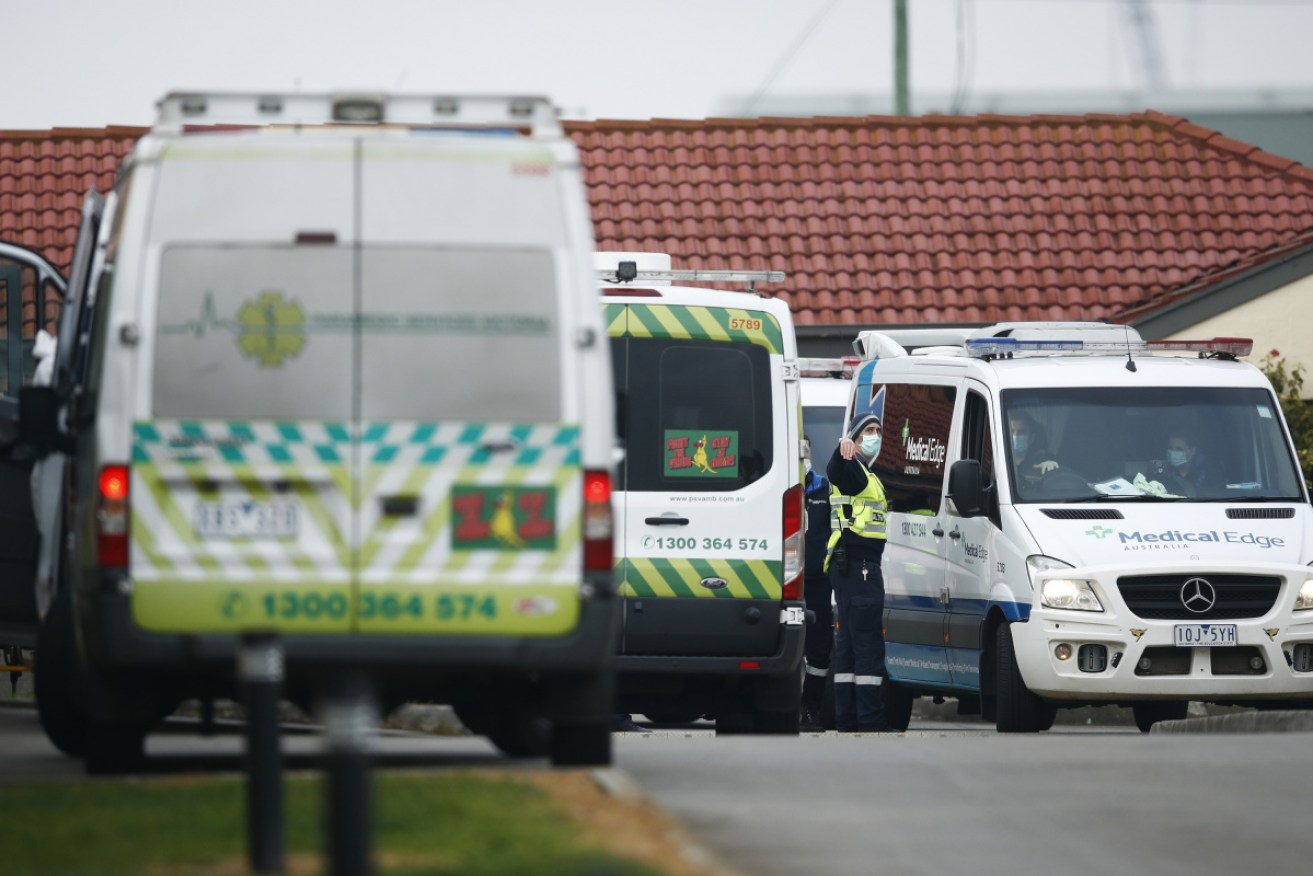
(1304, 601)
(1069, 594)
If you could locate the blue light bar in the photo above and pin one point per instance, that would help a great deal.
(1009, 346)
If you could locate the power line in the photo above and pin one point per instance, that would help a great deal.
(792, 50)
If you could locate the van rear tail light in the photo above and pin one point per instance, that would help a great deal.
(793, 542)
(113, 517)
(598, 554)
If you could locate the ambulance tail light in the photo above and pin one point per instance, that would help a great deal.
(598, 553)
(793, 542)
(113, 517)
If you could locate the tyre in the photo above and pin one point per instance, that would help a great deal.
(520, 733)
(580, 744)
(777, 723)
(113, 749)
(57, 682)
(1018, 710)
(897, 705)
(1148, 714)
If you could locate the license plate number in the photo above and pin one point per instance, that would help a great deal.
(247, 519)
(1205, 635)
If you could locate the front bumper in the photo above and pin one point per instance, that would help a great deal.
(1142, 662)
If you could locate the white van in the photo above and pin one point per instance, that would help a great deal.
(1097, 573)
(346, 381)
(709, 497)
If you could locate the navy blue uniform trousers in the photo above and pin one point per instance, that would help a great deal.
(859, 641)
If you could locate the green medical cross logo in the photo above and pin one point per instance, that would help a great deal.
(1099, 532)
(907, 430)
(271, 328)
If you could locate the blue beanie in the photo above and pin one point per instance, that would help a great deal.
(862, 421)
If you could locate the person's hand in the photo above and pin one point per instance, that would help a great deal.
(847, 448)
(1046, 466)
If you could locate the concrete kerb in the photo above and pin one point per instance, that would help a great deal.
(1242, 722)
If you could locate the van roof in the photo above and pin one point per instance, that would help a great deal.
(181, 112)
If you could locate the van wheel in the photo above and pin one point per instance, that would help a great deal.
(1148, 714)
(777, 723)
(1018, 710)
(519, 733)
(897, 704)
(581, 744)
(57, 681)
(113, 748)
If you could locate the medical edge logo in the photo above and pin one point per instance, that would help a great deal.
(1177, 539)
(271, 329)
(693, 454)
(503, 518)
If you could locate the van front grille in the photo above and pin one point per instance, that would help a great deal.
(1082, 513)
(1260, 513)
(1160, 597)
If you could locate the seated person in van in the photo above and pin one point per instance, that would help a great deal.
(1185, 462)
(1030, 456)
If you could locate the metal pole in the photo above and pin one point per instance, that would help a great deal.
(260, 672)
(902, 103)
(350, 716)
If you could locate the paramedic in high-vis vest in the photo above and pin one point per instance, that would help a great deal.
(819, 644)
(856, 547)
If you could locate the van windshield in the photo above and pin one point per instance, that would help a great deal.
(1147, 444)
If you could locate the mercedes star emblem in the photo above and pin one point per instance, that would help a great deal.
(1198, 595)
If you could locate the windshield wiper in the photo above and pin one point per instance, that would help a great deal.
(1139, 497)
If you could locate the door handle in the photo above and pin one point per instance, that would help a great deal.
(955, 534)
(499, 446)
(937, 532)
(400, 506)
(667, 519)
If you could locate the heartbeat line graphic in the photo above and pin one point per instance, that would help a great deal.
(209, 320)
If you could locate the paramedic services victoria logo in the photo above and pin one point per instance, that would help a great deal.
(271, 329)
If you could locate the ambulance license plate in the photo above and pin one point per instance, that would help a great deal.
(248, 519)
(1205, 635)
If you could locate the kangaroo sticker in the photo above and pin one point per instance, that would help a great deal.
(503, 518)
(701, 454)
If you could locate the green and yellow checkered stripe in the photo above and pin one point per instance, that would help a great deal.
(680, 578)
(692, 322)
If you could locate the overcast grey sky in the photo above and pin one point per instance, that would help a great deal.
(93, 62)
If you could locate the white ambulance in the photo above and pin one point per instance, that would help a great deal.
(1146, 543)
(709, 498)
(347, 382)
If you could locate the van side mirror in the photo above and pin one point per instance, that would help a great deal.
(965, 490)
(38, 420)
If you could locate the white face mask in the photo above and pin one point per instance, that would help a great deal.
(807, 463)
(1176, 458)
(871, 446)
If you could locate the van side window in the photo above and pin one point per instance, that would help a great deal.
(698, 417)
(978, 444)
(911, 464)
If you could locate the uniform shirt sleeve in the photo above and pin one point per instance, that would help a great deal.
(849, 475)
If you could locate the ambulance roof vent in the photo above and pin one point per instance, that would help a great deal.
(180, 110)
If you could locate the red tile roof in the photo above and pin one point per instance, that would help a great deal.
(877, 219)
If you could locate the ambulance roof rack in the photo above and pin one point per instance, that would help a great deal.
(628, 272)
(178, 110)
(839, 366)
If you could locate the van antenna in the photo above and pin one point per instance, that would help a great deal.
(1130, 363)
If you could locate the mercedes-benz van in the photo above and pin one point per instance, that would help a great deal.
(1051, 541)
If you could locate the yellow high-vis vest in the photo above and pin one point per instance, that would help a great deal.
(863, 514)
